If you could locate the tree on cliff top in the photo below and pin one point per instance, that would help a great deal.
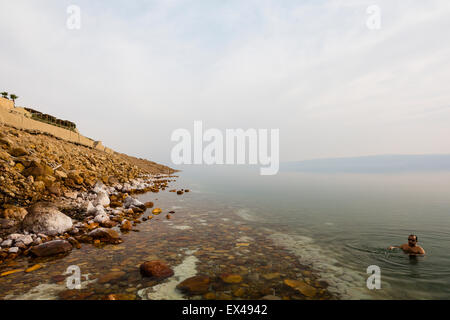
(4, 94)
(13, 97)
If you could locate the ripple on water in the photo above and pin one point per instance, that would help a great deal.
(343, 282)
(246, 214)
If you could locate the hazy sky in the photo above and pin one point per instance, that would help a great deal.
(137, 70)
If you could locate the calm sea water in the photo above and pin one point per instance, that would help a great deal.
(343, 222)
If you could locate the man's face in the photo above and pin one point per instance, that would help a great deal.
(412, 241)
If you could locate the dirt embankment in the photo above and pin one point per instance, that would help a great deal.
(36, 166)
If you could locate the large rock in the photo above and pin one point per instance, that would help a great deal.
(44, 217)
(90, 209)
(51, 248)
(195, 285)
(130, 202)
(156, 269)
(37, 169)
(106, 235)
(102, 199)
(18, 152)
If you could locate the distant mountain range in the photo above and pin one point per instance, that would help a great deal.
(368, 164)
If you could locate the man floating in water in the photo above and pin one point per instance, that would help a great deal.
(411, 247)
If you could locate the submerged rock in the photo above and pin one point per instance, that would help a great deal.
(302, 287)
(149, 204)
(51, 248)
(195, 285)
(103, 234)
(156, 269)
(156, 211)
(46, 218)
(231, 278)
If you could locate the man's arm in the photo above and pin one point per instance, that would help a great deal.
(392, 247)
(421, 251)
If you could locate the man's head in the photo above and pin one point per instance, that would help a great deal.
(412, 240)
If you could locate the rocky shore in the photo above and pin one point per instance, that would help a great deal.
(55, 195)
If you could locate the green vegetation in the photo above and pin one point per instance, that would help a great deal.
(13, 98)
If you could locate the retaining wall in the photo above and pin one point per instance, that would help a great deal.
(20, 118)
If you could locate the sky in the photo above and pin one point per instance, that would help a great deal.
(138, 70)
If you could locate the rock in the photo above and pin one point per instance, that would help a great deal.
(149, 204)
(109, 224)
(195, 285)
(39, 186)
(30, 180)
(231, 278)
(99, 186)
(210, 296)
(90, 209)
(60, 174)
(75, 177)
(46, 218)
(132, 202)
(51, 248)
(239, 292)
(7, 224)
(37, 169)
(25, 239)
(126, 225)
(7, 273)
(4, 155)
(74, 242)
(102, 199)
(156, 269)
(5, 142)
(102, 217)
(156, 211)
(19, 167)
(106, 235)
(180, 192)
(14, 213)
(137, 209)
(271, 276)
(55, 189)
(33, 268)
(7, 243)
(302, 287)
(18, 152)
(71, 195)
(111, 276)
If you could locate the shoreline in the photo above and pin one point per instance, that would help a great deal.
(52, 189)
(77, 195)
(238, 260)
